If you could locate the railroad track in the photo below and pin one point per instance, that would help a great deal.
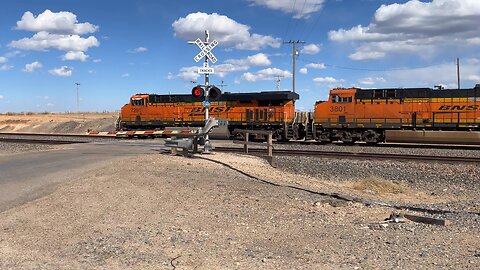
(46, 135)
(38, 141)
(354, 155)
(396, 145)
(380, 145)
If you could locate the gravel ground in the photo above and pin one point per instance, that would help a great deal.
(164, 212)
(432, 177)
(11, 148)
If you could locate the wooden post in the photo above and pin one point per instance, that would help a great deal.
(270, 144)
(195, 145)
(174, 149)
(245, 146)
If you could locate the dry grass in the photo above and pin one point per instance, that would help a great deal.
(378, 185)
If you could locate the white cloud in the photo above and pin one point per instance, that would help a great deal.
(125, 75)
(472, 77)
(5, 67)
(257, 42)
(3, 59)
(97, 60)
(371, 80)
(297, 8)
(188, 74)
(366, 55)
(32, 66)
(12, 54)
(310, 49)
(1, 97)
(303, 71)
(327, 80)
(235, 65)
(44, 40)
(63, 22)
(259, 59)
(265, 74)
(170, 76)
(445, 74)
(81, 56)
(315, 66)
(223, 69)
(58, 30)
(227, 31)
(415, 27)
(138, 50)
(62, 71)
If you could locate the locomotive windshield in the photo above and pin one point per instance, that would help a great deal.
(338, 99)
(138, 102)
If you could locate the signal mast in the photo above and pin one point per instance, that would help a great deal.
(206, 90)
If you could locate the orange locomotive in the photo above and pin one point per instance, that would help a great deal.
(355, 114)
(264, 110)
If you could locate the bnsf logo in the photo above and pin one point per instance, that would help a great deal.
(201, 111)
(459, 108)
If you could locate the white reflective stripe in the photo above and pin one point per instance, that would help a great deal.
(141, 132)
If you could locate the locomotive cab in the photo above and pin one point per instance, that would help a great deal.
(138, 101)
(339, 108)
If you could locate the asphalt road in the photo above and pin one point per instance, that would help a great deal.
(27, 176)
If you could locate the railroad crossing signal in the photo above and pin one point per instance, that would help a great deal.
(206, 50)
(210, 91)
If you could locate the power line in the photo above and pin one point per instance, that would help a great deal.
(297, 21)
(313, 28)
(291, 19)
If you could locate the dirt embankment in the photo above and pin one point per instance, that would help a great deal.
(58, 122)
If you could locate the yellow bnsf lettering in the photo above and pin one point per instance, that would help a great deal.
(459, 108)
(212, 109)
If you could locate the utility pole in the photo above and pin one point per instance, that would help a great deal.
(78, 102)
(294, 55)
(277, 82)
(458, 73)
(222, 85)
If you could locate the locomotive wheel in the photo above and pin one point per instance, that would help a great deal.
(347, 138)
(324, 137)
(371, 137)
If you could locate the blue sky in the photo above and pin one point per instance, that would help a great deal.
(115, 49)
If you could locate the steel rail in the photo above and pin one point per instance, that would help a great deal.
(391, 144)
(381, 145)
(354, 155)
(46, 134)
(38, 141)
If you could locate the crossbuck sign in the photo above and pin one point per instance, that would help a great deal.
(206, 50)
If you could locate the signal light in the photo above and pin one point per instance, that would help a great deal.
(198, 91)
(214, 93)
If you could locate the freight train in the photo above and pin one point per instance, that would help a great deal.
(349, 114)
